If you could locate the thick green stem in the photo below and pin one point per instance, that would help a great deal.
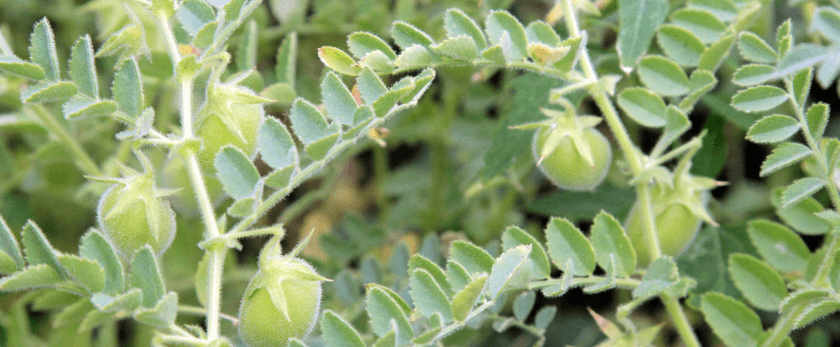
(672, 305)
(637, 166)
(83, 160)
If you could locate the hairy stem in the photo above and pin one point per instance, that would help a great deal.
(637, 166)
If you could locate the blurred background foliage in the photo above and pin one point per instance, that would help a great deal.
(449, 169)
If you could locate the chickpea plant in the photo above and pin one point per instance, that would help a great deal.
(244, 141)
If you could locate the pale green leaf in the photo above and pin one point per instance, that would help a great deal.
(428, 296)
(309, 124)
(37, 249)
(540, 32)
(457, 23)
(801, 189)
(277, 148)
(459, 47)
(681, 45)
(42, 50)
(339, 61)
(663, 76)
(731, 320)
(337, 99)
(608, 238)
(94, 246)
(48, 91)
(771, 129)
(725, 10)
(82, 67)
(544, 317)
(754, 48)
(194, 15)
(464, 300)
(510, 271)
(714, 55)
(287, 59)
(127, 301)
(9, 245)
(826, 21)
(802, 56)
(779, 246)
(16, 66)
(382, 309)
(407, 35)
(514, 236)
(758, 99)
(805, 297)
(128, 89)
(145, 275)
(370, 86)
(661, 275)
(815, 312)
(84, 107)
(804, 216)
(817, 119)
(457, 275)
(85, 271)
(237, 173)
(523, 304)
(752, 74)
(758, 282)
(472, 258)
(565, 242)
(32, 277)
(500, 22)
(643, 106)
(786, 154)
(418, 261)
(338, 333)
(162, 315)
(702, 23)
(802, 85)
(362, 43)
(639, 20)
